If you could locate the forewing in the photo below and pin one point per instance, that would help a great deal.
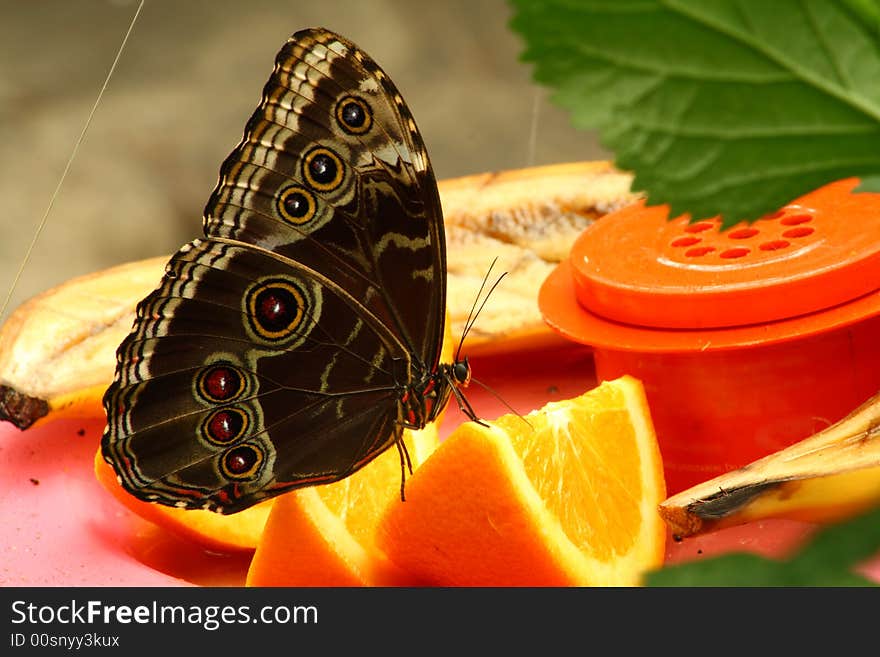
(333, 173)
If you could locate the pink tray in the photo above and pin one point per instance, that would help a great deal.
(59, 527)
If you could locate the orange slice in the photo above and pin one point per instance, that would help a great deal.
(214, 531)
(244, 530)
(571, 500)
(323, 536)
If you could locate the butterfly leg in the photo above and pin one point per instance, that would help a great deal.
(405, 463)
(465, 406)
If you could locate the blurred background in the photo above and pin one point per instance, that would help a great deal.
(188, 80)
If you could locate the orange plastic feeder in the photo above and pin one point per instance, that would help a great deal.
(747, 340)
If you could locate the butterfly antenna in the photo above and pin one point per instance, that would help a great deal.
(470, 324)
(475, 311)
(502, 400)
(42, 223)
(468, 321)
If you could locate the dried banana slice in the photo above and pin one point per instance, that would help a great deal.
(57, 350)
(828, 476)
(528, 220)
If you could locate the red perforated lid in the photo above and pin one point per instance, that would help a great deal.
(637, 282)
(636, 267)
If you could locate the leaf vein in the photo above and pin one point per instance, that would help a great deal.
(801, 73)
(842, 77)
(780, 172)
(615, 59)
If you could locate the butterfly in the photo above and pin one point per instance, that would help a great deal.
(297, 340)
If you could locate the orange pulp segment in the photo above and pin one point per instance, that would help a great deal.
(323, 535)
(214, 531)
(569, 497)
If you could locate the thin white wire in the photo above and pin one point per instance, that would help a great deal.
(42, 224)
(533, 130)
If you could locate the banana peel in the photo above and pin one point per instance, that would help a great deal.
(831, 475)
(57, 350)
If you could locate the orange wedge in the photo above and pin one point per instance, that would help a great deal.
(244, 530)
(570, 500)
(212, 530)
(323, 536)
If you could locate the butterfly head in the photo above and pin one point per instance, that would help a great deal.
(461, 373)
(447, 382)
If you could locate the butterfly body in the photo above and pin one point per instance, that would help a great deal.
(300, 337)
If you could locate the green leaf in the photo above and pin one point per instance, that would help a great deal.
(728, 107)
(828, 560)
(869, 184)
(867, 11)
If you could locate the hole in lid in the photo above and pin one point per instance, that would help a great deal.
(774, 245)
(774, 215)
(698, 251)
(685, 241)
(800, 231)
(737, 252)
(796, 219)
(699, 227)
(742, 233)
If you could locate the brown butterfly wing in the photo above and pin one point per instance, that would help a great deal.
(275, 352)
(376, 227)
